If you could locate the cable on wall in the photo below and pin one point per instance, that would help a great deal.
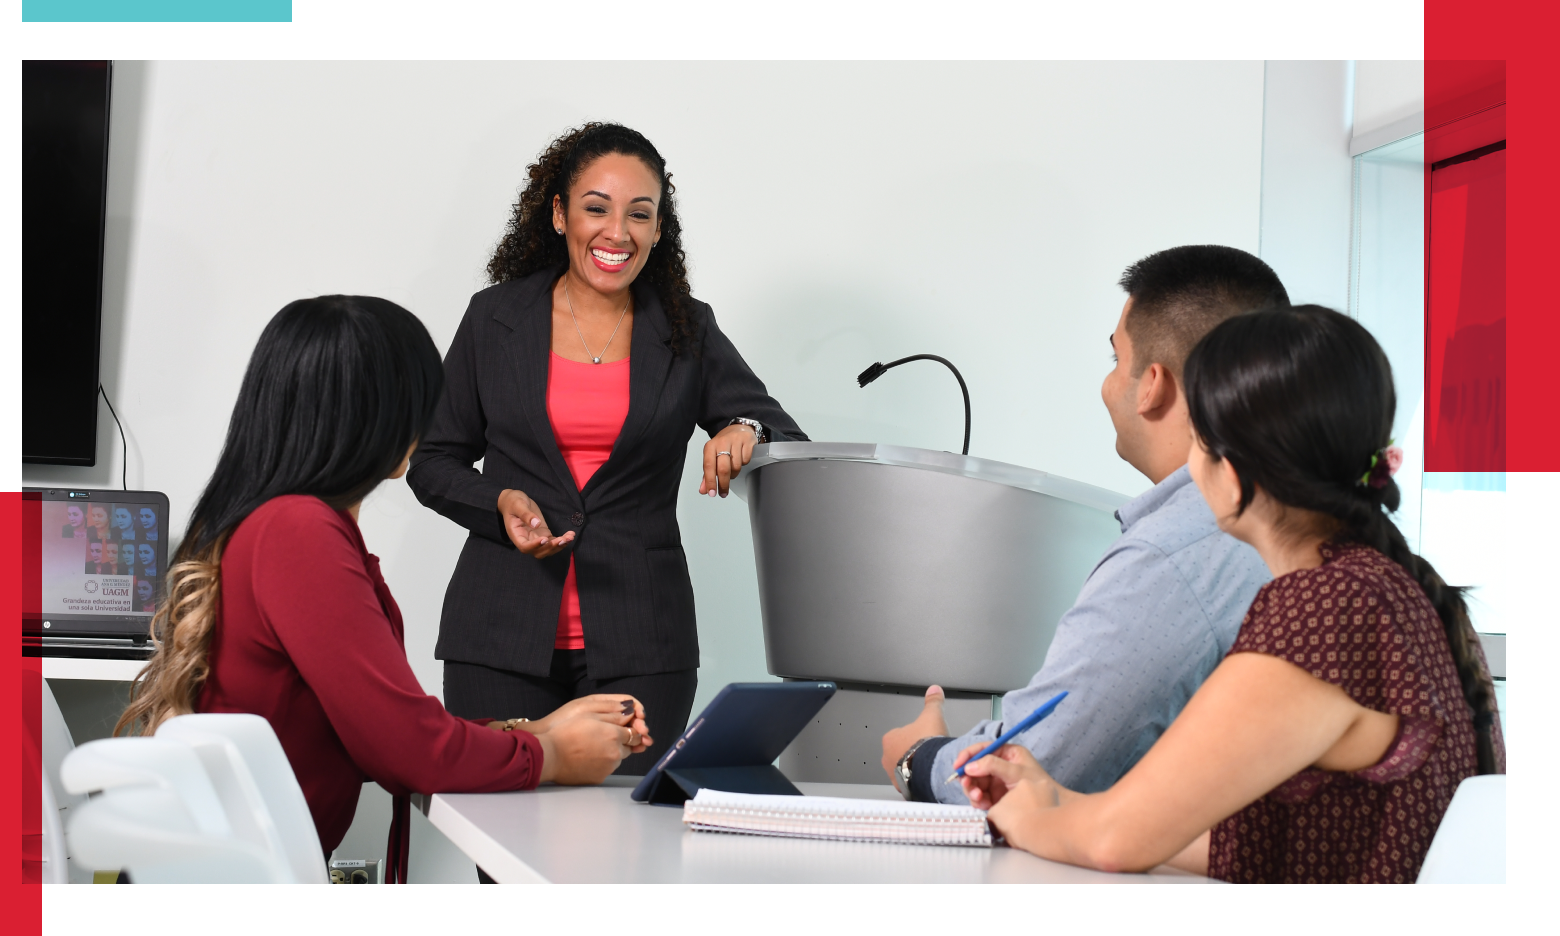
(124, 448)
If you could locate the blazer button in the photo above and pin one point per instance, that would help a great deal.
(576, 518)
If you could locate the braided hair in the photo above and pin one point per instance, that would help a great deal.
(530, 244)
(1300, 401)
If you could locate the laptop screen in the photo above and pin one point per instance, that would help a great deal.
(101, 558)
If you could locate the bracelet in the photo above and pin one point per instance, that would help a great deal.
(760, 434)
(513, 723)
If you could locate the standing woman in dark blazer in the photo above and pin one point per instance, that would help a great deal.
(577, 380)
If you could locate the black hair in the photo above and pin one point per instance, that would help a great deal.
(1180, 294)
(530, 243)
(1300, 401)
(337, 389)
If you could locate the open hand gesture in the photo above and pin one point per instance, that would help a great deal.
(526, 527)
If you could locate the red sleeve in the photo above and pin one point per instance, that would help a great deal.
(313, 590)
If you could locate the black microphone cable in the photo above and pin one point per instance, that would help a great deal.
(877, 370)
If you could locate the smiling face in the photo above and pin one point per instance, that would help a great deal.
(611, 222)
(144, 553)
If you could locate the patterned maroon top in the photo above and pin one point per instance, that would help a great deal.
(1360, 622)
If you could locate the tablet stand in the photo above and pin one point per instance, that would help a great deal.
(674, 787)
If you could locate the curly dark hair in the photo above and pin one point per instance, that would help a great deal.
(530, 243)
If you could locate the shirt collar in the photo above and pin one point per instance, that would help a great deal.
(1152, 499)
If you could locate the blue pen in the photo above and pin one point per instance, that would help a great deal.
(1034, 719)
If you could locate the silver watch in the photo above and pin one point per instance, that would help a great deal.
(759, 432)
(904, 769)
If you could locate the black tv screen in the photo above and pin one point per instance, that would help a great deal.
(64, 182)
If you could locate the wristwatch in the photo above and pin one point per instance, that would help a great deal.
(760, 434)
(903, 770)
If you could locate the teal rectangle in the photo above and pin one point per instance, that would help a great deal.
(157, 11)
(1465, 481)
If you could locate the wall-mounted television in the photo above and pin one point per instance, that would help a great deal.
(64, 186)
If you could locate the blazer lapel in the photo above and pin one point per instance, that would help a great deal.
(529, 352)
(650, 360)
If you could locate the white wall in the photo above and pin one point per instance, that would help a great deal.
(1306, 179)
(1386, 92)
(837, 214)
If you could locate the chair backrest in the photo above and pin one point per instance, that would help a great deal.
(1470, 844)
(256, 785)
(158, 816)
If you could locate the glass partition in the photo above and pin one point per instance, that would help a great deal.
(1387, 294)
(1451, 419)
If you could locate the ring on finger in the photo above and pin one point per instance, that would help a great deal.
(719, 454)
(631, 739)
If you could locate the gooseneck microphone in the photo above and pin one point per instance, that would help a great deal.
(877, 370)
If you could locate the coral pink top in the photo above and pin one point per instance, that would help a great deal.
(1360, 622)
(586, 404)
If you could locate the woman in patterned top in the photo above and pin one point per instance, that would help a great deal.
(1328, 743)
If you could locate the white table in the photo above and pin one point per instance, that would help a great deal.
(597, 835)
(78, 668)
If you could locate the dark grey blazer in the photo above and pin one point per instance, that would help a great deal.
(636, 600)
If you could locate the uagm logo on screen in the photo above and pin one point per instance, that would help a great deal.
(90, 586)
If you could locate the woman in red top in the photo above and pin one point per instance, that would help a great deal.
(1328, 744)
(276, 608)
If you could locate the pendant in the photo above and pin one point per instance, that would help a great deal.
(595, 360)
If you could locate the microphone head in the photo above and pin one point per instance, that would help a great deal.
(870, 374)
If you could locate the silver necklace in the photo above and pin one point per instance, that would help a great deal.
(594, 358)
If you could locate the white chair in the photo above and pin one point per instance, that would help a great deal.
(58, 804)
(235, 793)
(1470, 844)
(256, 785)
(56, 865)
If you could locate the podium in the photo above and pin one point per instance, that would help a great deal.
(886, 569)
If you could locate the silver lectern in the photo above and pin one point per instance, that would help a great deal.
(887, 569)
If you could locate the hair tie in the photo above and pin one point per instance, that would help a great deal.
(1384, 463)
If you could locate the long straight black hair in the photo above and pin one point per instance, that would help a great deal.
(1299, 400)
(336, 392)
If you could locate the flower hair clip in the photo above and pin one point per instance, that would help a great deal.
(1384, 463)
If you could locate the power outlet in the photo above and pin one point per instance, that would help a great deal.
(357, 871)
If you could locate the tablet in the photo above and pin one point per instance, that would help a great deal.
(101, 557)
(733, 743)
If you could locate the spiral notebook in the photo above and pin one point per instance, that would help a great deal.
(829, 817)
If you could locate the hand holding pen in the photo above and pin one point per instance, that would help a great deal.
(1011, 768)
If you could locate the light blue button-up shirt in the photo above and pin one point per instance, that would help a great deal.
(1154, 618)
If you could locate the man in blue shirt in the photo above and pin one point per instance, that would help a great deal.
(1162, 607)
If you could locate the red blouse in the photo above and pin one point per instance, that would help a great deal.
(586, 404)
(1360, 622)
(309, 638)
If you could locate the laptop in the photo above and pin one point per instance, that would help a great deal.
(99, 559)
